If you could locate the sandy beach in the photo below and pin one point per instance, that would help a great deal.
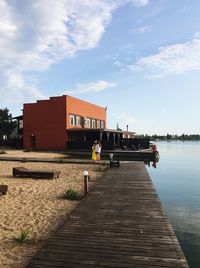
(31, 154)
(36, 205)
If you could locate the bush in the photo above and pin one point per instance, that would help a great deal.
(72, 195)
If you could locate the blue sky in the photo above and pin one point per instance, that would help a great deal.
(140, 58)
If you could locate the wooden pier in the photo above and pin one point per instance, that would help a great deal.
(120, 223)
(84, 157)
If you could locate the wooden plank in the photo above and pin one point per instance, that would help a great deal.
(121, 223)
(38, 174)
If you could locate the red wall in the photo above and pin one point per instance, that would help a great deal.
(85, 109)
(46, 120)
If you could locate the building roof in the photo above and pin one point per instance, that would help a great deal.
(19, 117)
(100, 129)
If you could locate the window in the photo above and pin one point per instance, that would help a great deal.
(93, 123)
(102, 124)
(5, 137)
(71, 120)
(88, 123)
(78, 122)
(98, 124)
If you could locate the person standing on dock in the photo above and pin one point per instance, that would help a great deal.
(94, 155)
(98, 150)
(154, 148)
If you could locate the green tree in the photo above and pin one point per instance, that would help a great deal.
(6, 123)
(169, 136)
(182, 137)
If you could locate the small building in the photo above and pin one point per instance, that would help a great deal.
(65, 122)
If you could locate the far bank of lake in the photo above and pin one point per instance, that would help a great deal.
(177, 181)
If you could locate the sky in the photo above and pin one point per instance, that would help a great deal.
(138, 58)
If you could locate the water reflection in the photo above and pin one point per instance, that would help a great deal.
(154, 164)
(177, 181)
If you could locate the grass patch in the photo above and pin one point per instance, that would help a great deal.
(72, 195)
(23, 160)
(27, 150)
(24, 236)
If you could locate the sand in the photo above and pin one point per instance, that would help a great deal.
(31, 154)
(36, 205)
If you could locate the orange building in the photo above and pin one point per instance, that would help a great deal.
(49, 124)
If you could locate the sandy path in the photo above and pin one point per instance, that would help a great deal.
(36, 205)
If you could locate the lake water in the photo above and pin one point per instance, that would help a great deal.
(177, 181)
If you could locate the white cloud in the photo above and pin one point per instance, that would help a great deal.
(44, 31)
(17, 90)
(36, 34)
(126, 48)
(171, 60)
(139, 2)
(121, 59)
(98, 86)
(118, 64)
(197, 35)
(142, 29)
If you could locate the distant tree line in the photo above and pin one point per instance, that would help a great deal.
(170, 137)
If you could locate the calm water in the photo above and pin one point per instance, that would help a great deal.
(177, 181)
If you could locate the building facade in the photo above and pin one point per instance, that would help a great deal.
(46, 123)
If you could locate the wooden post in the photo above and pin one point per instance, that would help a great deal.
(86, 185)
(3, 189)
